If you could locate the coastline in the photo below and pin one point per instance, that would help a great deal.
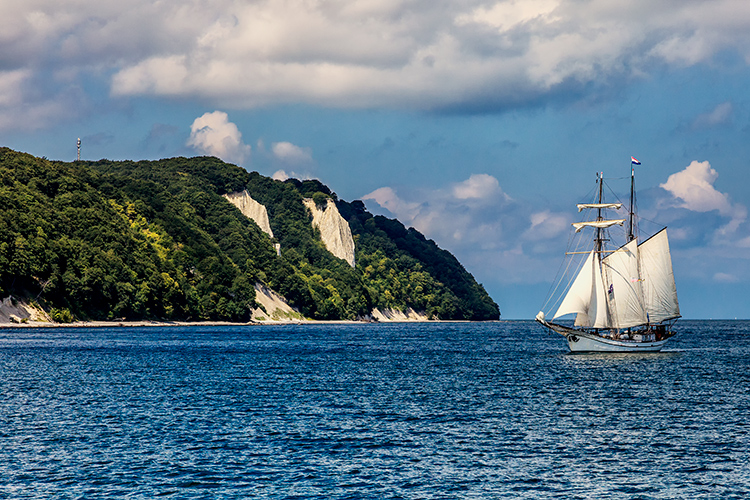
(161, 324)
(17, 312)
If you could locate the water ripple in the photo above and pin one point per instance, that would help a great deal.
(464, 410)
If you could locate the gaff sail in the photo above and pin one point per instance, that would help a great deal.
(659, 289)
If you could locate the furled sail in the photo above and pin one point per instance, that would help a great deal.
(583, 206)
(601, 224)
(625, 291)
(659, 290)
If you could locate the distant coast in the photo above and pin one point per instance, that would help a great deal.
(20, 313)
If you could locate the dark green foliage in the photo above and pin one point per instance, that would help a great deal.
(408, 270)
(156, 240)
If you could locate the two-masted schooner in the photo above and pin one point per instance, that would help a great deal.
(625, 300)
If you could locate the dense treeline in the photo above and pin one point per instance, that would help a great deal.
(156, 240)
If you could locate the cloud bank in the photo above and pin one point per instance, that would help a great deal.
(487, 229)
(416, 54)
(429, 54)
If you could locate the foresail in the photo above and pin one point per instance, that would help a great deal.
(625, 291)
(578, 298)
(583, 206)
(660, 292)
(601, 224)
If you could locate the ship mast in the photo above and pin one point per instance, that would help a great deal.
(631, 235)
(599, 217)
(600, 248)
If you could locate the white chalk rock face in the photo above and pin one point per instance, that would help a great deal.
(394, 315)
(251, 209)
(334, 230)
(274, 306)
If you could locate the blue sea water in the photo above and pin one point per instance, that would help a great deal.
(454, 410)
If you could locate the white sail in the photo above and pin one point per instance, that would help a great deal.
(578, 298)
(602, 224)
(660, 292)
(583, 206)
(617, 298)
(625, 292)
(586, 296)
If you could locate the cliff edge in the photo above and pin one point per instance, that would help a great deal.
(251, 209)
(334, 230)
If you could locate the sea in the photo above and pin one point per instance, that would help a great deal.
(371, 411)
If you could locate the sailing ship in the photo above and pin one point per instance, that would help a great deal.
(625, 300)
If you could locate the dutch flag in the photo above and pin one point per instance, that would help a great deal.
(633, 161)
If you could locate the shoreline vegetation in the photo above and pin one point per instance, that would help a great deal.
(19, 313)
(163, 324)
(172, 241)
(142, 324)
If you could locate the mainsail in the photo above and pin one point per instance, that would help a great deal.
(659, 290)
(625, 292)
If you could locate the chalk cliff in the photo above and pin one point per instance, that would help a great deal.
(395, 315)
(251, 209)
(13, 310)
(273, 307)
(334, 230)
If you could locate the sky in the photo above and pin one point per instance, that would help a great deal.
(480, 123)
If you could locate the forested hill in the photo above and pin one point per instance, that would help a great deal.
(157, 240)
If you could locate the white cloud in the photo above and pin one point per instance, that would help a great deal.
(719, 115)
(546, 225)
(387, 198)
(726, 278)
(481, 225)
(450, 214)
(694, 187)
(291, 154)
(21, 110)
(213, 134)
(506, 15)
(280, 175)
(478, 186)
(11, 85)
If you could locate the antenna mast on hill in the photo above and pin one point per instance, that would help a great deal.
(78, 158)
